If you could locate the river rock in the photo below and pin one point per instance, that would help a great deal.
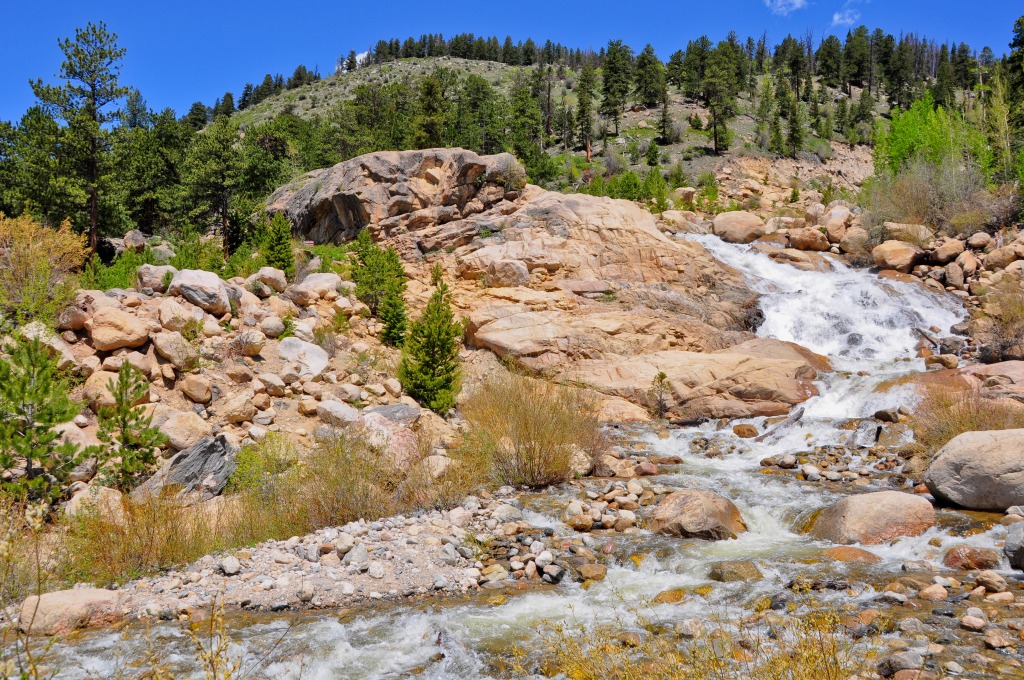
(896, 255)
(65, 611)
(968, 557)
(847, 553)
(873, 518)
(979, 470)
(203, 289)
(808, 238)
(738, 226)
(1013, 548)
(730, 571)
(111, 328)
(693, 513)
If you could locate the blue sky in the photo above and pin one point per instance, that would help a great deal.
(185, 50)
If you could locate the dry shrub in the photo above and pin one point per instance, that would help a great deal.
(105, 546)
(942, 414)
(528, 432)
(1007, 298)
(811, 647)
(36, 265)
(27, 553)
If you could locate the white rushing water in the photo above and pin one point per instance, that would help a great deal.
(864, 324)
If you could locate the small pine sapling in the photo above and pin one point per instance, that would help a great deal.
(126, 431)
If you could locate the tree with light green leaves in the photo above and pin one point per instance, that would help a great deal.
(86, 103)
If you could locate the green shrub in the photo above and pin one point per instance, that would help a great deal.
(121, 273)
(377, 272)
(192, 251)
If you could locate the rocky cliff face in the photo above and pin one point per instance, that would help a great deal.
(575, 286)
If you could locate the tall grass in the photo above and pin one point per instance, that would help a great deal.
(942, 414)
(528, 432)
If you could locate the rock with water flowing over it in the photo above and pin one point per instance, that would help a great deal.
(65, 611)
(979, 470)
(873, 518)
(692, 513)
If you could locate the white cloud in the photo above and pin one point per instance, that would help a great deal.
(784, 7)
(845, 17)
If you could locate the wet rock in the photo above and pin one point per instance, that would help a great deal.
(968, 557)
(979, 470)
(738, 226)
(850, 554)
(1014, 546)
(992, 582)
(745, 431)
(693, 513)
(593, 572)
(65, 611)
(730, 571)
(873, 518)
(909, 660)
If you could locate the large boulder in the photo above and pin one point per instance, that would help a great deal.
(1013, 548)
(313, 288)
(854, 240)
(54, 344)
(908, 233)
(86, 304)
(271, 277)
(184, 429)
(111, 328)
(177, 315)
(66, 611)
(738, 226)
(980, 470)
(872, 518)
(97, 393)
(897, 255)
(155, 277)
(395, 191)
(173, 347)
(692, 513)
(809, 238)
(203, 289)
(203, 469)
(336, 413)
(310, 359)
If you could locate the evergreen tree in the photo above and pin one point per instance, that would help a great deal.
(429, 369)
(776, 144)
(795, 132)
(943, 88)
(90, 71)
(351, 62)
(720, 93)
(126, 430)
(33, 401)
(865, 107)
(393, 315)
(586, 89)
(377, 272)
(615, 80)
(764, 112)
(648, 78)
(277, 249)
(652, 156)
(665, 121)
(198, 116)
(210, 172)
(830, 61)
(842, 117)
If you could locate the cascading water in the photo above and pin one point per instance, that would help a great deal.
(864, 324)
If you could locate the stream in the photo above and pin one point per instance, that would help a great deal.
(864, 324)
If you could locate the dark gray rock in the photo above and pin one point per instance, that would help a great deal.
(397, 413)
(1014, 547)
(202, 468)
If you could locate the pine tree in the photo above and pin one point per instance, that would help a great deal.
(585, 91)
(127, 431)
(665, 122)
(377, 272)
(277, 250)
(649, 75)
(653, 157)
(775, 142)
(615, 80)
(720, 95)
(795, 132)
(393, 315)
(429, 369)
(86, 102)
(33, 401)
(763, 113)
